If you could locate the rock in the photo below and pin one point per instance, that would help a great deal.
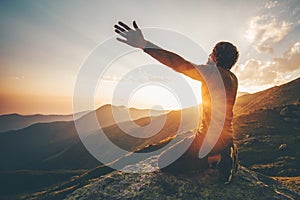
(282, 146)
(159, 185)
(291, 113)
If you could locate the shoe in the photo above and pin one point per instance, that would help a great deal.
(228, 164)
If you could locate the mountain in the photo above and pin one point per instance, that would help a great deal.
(54, 149)
(16, 121)
(104, 113)
(267, 138)
(273, 97)
(108, 115)
(268, 150)
(56, 145)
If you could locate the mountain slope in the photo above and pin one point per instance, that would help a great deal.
(268, 143)
(273, 97)
(28, 148)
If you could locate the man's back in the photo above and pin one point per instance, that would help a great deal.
(230, 85)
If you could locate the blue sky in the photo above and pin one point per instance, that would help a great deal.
(44, 43)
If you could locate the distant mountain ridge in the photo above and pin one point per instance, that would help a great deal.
(108, 115)
(16, 121)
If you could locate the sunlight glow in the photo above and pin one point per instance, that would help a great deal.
(151, 96)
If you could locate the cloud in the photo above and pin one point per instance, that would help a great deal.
(258, 73)
(265, 31)
(271, 4)
(290, 61)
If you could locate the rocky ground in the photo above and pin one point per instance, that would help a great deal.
(159, 185)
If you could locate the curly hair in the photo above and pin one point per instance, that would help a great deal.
(225, 55)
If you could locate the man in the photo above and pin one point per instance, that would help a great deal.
(222, 58)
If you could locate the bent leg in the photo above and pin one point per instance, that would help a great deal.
(189, 161)
(222, 144)
(186, 164)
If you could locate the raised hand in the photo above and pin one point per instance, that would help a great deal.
(132, 37)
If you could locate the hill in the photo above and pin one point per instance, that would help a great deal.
(267, 99)
(269, 143)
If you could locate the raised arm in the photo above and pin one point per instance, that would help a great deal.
(136, 39)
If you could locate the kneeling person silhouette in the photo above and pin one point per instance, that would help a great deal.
(223, 57)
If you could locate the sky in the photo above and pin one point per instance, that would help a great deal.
(43, 45)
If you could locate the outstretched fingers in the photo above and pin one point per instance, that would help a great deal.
(132, 37)
(122, 40)
(135, 25)
(122, 29)
(120, 33)
(117, 27)
(124, 26)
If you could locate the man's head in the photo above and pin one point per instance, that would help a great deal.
(225, 55)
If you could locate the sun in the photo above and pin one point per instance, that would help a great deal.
(159, 97)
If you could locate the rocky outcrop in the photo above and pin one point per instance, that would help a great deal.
(159, 185)
(291, 113)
